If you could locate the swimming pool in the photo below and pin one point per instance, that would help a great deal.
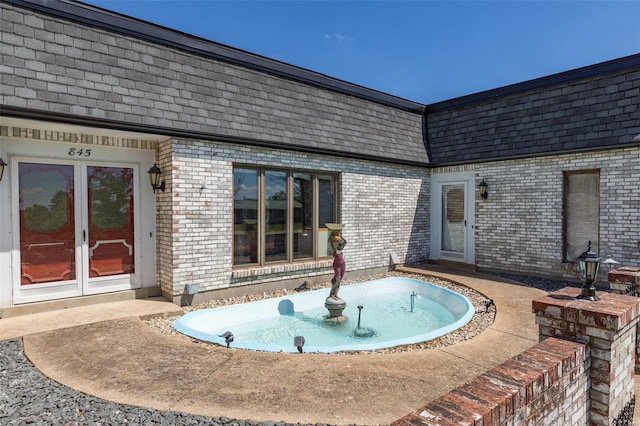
(399, 310)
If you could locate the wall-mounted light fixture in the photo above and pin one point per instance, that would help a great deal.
(589, 263)
(483, 189)
(154, 176)
(2, 164)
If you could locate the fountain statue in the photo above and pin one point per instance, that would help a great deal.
(334, 303)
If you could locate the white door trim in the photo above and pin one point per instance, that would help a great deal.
(14, 151)
(467, 179)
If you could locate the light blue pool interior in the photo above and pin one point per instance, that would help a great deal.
(272, 324)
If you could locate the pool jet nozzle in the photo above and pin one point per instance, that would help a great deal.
(362, 331)
(413, 300)
(228, 337)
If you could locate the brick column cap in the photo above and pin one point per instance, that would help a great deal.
(612, 312)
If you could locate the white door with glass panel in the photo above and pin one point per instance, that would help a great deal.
(74, 228)
(452, 217)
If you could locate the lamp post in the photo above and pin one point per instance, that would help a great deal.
(589, 265)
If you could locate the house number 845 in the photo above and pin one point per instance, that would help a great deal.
(80, 152)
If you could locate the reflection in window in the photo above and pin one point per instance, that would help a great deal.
(245, 216)
(47, 223)
(327, 211)
(275, 215)
(302, 216)
(280, 215)
(453, 212)
(111, 190)
(111, 222)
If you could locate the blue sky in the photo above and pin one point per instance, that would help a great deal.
(425, 51)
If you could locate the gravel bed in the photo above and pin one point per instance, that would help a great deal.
(27, 397)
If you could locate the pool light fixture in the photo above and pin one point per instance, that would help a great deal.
(298, 342)
(483, 189)
(228, 337)
(154, 177)
(589, 263)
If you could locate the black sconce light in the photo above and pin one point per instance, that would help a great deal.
(154, 176)
(589, 263)
(2, 164)
(483, 189)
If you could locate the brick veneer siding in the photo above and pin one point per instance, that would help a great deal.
(581, 114)
(581, 372)
(382, 206)
(547, 384)
(75, 137)
(523, 215)
(609, 327)
(53, 65)
(519, 227)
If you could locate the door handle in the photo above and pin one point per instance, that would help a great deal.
(465, 223)
(84, 236)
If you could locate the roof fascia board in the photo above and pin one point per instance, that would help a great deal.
(26, 113)
(603, 68)
(123, 24)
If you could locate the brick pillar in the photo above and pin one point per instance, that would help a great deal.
(609, 327)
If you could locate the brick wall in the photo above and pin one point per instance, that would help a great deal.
(581, 372)
(519, 227)
(547, 384)
(76, 137)
(383, 207)
(609, 327)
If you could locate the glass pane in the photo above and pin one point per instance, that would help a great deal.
(245, 216)
(453, 218)
(275, 192)
(327, 212)
(582, 212)
(302, 215)
(47, 223)
(111, 230)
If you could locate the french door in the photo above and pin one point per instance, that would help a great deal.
(75, 230)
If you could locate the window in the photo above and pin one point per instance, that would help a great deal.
(280, 215)
(581, 212)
